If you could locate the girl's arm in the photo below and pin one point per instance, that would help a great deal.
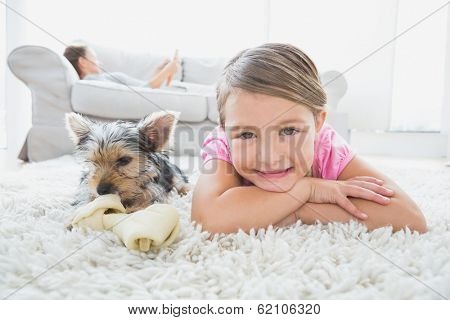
(400, 212)
(221, 204)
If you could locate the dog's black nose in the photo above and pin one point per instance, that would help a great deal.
(104, 188)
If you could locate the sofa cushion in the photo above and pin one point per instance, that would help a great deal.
(115, 101)
(202, 71)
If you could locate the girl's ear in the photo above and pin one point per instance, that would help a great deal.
(320, 119)
(158, 128)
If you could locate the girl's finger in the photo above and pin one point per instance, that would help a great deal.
(363, 193)
(348, 206)
(368, 179)
(374, 187)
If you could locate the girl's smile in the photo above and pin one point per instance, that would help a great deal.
(275, 174)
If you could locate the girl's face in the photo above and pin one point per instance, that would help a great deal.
(271, 139)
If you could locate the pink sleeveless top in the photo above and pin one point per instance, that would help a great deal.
(331, 152)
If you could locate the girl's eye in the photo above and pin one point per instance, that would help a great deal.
(246, 135)
(123, 161)
(288, 131)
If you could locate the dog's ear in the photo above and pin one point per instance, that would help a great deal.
(78, 126)
(158, 128)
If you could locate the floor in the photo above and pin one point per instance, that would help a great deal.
(334, 261)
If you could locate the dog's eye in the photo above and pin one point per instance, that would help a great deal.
(123, 161)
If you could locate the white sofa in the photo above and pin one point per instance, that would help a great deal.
(56, 89)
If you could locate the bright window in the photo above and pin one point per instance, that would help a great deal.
(419, 73)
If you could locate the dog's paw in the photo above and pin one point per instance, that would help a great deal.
(68, 226)
(184, 189)
(68, 223)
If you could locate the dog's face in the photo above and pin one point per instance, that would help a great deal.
(117, 154)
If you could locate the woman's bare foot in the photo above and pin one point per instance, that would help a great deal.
(162, 65)
(172, 67)
(165, 72)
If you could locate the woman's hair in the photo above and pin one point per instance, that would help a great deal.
(73, 53)
(275, 69)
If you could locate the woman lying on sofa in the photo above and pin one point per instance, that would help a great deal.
(85, 62)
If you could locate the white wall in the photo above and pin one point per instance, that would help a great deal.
(2, 77)
(18, 97)
(195, 27)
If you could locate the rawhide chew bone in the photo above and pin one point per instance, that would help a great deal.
(153, 227)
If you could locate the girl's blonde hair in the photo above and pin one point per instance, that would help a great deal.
(275, 69)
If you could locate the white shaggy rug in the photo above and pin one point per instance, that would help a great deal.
(41, 260)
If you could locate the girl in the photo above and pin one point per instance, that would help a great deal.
(84, 60)
(273, 159)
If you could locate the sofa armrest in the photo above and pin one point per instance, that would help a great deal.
(49, 76)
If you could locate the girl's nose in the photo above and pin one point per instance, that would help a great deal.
(269, 153)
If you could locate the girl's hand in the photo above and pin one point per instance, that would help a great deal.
(337, 191)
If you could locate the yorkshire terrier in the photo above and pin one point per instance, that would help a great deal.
(126, 158)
